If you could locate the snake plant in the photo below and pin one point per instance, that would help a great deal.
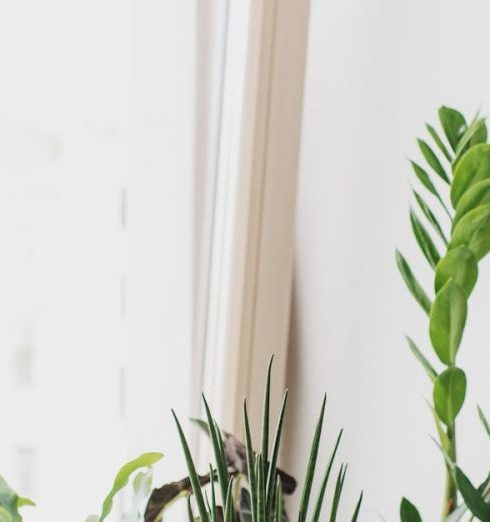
(249, 483)
(452, 232)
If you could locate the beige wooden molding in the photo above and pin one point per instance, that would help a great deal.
(250, 288)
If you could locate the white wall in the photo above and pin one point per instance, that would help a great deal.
(376, 72)
(95, 96)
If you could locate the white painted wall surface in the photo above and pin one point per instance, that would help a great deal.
(376, 72)
(94, 96)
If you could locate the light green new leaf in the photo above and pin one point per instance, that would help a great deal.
(412, 284)
(424, 240)
(474, 231)
(476, 196)
(429, 370)
(472, 497)
(484, 420)
(122, 478)
(23, 501)
(460, 265)
(447, 321)
(473, 167)
(431, 218)
(408, 512)
(453, 124)
(449, 394)
(432, 160)
(439, 142)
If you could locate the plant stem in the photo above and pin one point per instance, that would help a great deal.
(451, 491)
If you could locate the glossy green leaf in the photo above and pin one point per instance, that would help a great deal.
(429, 370)
(408, 512)
(438, 141)
(122, 478)
(432, 160)
(476, 196)
(484, 420)
(449, 394)
(453, 124)
(474, 231)
(412, 284)
(310, 471)
(447, 321)
(472, 497)
(473, 167)
(424, 240)
(326, 476)
(460, 265)
(431, 218)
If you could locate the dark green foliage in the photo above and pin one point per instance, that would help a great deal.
(260, 484)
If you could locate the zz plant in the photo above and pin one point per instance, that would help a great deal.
(457, 179)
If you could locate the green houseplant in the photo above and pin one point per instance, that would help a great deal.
(249, 483)
(242, 485)
(457, 179)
